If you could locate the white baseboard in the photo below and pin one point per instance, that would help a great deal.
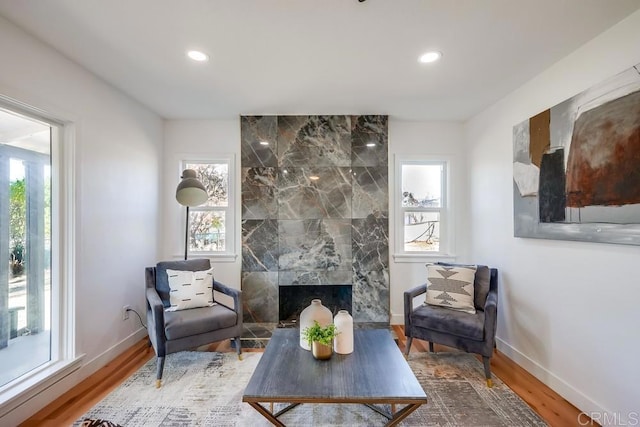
(397, 319)
(108, 355)
(557, 384)
(30, 403)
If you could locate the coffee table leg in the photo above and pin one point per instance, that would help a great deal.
(265, 413)
(402, 414)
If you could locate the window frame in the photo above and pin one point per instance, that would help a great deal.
(64, 359)
(446, 238)
(229, 254)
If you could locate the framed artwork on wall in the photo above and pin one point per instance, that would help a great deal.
(576, 166)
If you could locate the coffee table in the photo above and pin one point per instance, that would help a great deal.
(375, 373)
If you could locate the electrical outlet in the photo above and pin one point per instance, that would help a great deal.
(125, 312)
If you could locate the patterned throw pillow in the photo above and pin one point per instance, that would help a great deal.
(451, 287)
(98, 423)
(190, 289)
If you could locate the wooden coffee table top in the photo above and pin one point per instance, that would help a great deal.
(376, 372)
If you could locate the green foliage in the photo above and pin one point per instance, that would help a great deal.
(205, 226)
(17, 210)
(323, 335)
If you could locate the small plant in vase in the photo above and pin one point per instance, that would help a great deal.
(320, 339)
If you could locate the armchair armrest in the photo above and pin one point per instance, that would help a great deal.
(155, 306)
(414, 292)
(154, 303)
(408, 303)
(233, 293)
(491, 316)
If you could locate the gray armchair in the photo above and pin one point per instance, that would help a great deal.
(173, 331)
(473, 333)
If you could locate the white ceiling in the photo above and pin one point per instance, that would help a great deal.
(316, 57)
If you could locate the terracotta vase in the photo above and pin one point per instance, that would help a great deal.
(321, 351)
(343, 342)
(315, 311)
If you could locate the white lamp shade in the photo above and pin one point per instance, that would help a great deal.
(190, 191)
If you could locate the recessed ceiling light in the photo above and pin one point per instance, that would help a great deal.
(264, 142)
(196, 55)
(428, 57)
(314, 177)
(371, 144)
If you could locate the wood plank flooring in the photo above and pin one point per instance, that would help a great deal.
(555, 410)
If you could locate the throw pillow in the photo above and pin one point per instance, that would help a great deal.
(98, 423)
(451, 287)
(190, 289)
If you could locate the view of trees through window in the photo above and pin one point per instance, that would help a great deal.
(207, 231)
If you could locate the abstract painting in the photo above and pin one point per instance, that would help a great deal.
(576, 166)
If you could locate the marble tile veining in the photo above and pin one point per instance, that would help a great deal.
(260, 297)
(253, 131)
(370, 237)
(371, 296)
(314, 140)
(369, 141)
(370, 192)
(314, 192)
(314, 244)
(259, 192)
(260, 245)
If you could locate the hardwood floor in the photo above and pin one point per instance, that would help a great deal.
(555, 410)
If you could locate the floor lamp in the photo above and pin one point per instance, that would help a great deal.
(190, 192)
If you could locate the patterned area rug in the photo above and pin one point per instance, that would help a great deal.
(205, 389)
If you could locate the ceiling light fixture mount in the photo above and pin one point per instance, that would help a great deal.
(197, 55)
(431, 56)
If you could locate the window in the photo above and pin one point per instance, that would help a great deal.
(36, 335)
(211, 224)
(422, 207)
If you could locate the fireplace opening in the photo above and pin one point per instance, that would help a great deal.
(295, 298)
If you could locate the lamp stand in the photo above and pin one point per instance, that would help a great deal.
(186, 236)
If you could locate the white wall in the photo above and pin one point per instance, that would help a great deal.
(568, 311)
(117, 165)
(201, 138)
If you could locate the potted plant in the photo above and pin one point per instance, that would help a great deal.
(321, 339)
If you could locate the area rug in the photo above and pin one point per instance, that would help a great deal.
(205, 389)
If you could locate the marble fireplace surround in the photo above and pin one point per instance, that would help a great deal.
(315, 214)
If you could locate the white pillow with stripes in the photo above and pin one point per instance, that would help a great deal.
(190, 289)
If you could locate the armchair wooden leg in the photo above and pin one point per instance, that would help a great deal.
(238, 347)
(407, 348)
(431, 347)
(487, 370)
(159, 369)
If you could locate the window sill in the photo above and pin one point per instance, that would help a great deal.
(214, 257)
(423, 257)
(18, 392)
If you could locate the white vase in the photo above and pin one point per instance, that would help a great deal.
(315, 311)
(343, 342)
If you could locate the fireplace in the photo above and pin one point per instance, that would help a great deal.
(315, 220)
(293, 299)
